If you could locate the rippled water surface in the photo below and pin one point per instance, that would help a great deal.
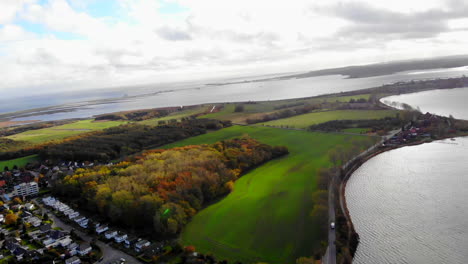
(442, 102)
(197, 93)
(410, 205)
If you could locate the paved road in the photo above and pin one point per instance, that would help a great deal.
(109, 253)
(331, 256)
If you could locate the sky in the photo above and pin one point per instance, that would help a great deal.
(61, 45)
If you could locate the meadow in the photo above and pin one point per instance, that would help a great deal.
(306, 120)
(63, 131)
(20, 162)
(255, 110)
(267, 216)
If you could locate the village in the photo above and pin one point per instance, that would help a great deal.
(426, 127)
(29, 231)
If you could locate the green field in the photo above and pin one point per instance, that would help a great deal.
(20, 162)
(256, 110)
(267, 216)
(60, 132)
(176, 115)
(306, 120)
(356, 130)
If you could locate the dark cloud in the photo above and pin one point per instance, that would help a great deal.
(173, 34)
(371, 22)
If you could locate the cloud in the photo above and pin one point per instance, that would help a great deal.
(59, 44)
(173, 34)
(368, 21)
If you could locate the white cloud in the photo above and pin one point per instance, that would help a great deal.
(206, 38)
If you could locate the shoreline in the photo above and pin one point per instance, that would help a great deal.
(356, 164)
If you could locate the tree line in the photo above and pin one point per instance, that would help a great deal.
(117, 142)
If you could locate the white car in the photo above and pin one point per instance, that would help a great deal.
(332, 225)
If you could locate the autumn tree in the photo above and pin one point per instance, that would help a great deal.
(11, 219)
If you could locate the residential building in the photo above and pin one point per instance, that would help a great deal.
(73, 260)
(110, 234)
(102, 228)
(84, 249)
(26, 189)
(142, 244)
(120, 237)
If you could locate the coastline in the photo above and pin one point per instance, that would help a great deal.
(346, 173)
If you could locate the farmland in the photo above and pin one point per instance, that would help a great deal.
(306, 120)
(63, 131)
(267, 216)
(20, 162)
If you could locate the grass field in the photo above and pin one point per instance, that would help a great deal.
(20, 162)
(60, 132)
(267, 216)
(357, 130)
(258, 109)
(176, 115)
(306, 120)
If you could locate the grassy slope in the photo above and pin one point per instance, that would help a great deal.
(306, 120)
(20, 162)
(266, 217)
(59, 132)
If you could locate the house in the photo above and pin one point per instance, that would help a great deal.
(110, 234)
(84, 249)
(73, 260)
(64, 242)
(45, 228)
(120, 237)
(130, 241)
(73, 215)
(142, 244)
(29, 206)
(84, 223)
(79, 219)
(48, 242)
(68, 212)
(101, 228)
(57, 234)
(73, 249)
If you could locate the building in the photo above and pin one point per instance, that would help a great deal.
(26, 189)
(130, 241)
(110, 234)
(84, 249)
(73, 260)
(101, 228)
(120, 237)
(142, 244)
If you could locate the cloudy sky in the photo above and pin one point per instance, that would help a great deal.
(48, 45)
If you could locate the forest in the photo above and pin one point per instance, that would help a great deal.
(117, 142)
(164, 189)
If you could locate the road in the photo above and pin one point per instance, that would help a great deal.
(330, 257)
(109, 253)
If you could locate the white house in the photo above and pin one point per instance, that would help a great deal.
(141, 245)
(101, 228)
(73, 260)
(110, 234)
(120, 237)
(73, 215)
